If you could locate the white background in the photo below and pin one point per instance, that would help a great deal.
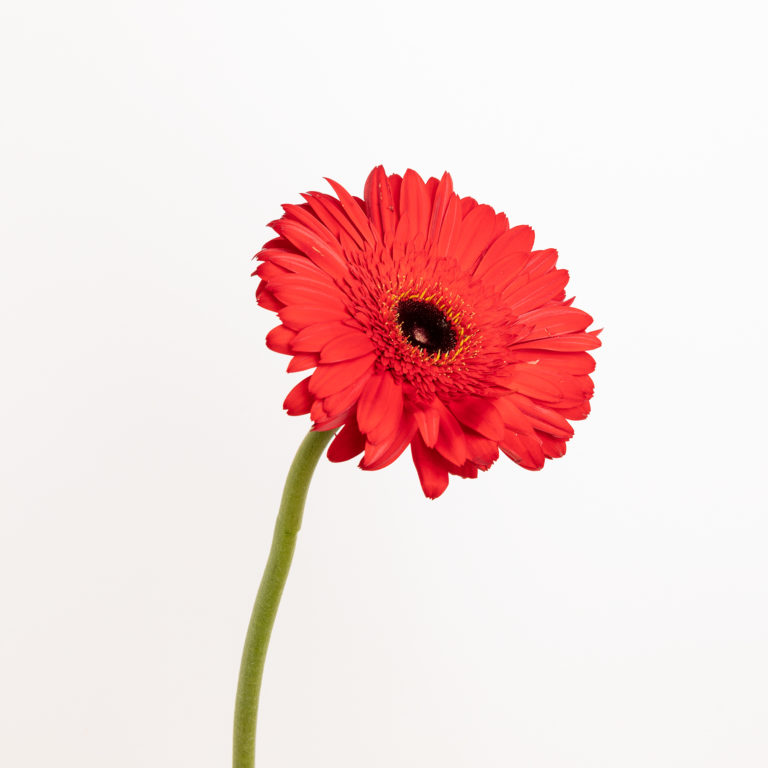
(609, 611)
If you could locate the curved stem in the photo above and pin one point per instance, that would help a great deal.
(270, 590)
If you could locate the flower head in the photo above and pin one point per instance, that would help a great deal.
(430, 323)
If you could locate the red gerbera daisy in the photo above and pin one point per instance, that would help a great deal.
(429, 323)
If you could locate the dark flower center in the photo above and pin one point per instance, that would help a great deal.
(425, 326)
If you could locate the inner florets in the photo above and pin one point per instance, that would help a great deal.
(425, 326)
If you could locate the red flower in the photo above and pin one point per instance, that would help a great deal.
(429, 323)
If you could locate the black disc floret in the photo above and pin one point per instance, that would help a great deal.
(425, 326)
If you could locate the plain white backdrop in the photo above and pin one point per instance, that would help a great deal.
(607, 611)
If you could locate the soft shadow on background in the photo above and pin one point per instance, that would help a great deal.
(607, 611)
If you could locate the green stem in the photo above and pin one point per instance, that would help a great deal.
(270, 590)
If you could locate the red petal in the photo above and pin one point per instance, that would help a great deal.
(347, 444)
(552, 363)
(514, 419)
(415, 204)
(378, 456)
(527, 382)
(553, 447)
(541, 262)
(404, 234)
(344, 399)
(443, 195)
(299, 399)
(329, 424)
(450, 438)
(432, 184)
(317, 412)
(323, 206)
(537, 264)
(268, 270)
(500, 226)
(506, 258)
(266, 299)
(525, 450)
(467, 469)
(279, 339)
(448, 228)
(353, 211)
(480, 450)
(381, 205)
(299, 264)
(391, 404)
(297, 291)
(276, 245)
(429, 425)
(475, 235)
(468, 204)
(349, 237)
(315, 336)
(305, 215)
(510, 251)
(553, 321)
(310, 279)
(542, 418)
(520, 238)
(302, 362)
(576, 388)
(478, 414)
(369, 410)
(395, 183)
(499, 268)
(537, 292)
(580, 411)
(298, 316)
(348, 346)
(333, 377)
(566, 343)
(329, 258)
(431, 468)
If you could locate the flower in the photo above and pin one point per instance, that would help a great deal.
(430, 323)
